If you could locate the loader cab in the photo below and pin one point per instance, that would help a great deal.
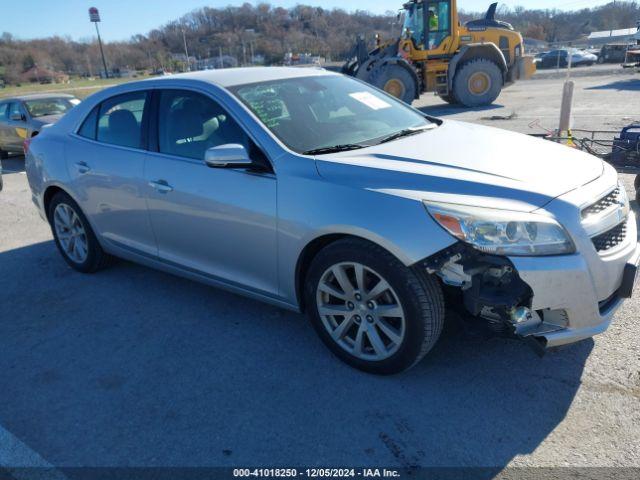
(428, 23)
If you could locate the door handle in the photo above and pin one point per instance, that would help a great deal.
(161, 186)
(82, 167)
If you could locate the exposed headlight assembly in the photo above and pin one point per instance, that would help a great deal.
(502, 232)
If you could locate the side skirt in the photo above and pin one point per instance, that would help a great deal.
(127, 253)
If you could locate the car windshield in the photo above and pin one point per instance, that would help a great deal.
(326, 111)
(50, 106)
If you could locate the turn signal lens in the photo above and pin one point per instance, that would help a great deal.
(451, 224)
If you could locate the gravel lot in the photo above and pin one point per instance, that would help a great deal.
(132, 367)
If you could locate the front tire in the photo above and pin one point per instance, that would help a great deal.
(3, 154)
(477, 83)
(370, 310)
(74, 237)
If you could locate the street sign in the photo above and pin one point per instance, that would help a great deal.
(94, 15)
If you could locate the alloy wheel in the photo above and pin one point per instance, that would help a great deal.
(361, 311)
(71, 233)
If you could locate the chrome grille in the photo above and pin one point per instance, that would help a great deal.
(613, 198)
(610, 239)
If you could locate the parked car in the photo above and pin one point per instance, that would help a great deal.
(21, 118)
(560, 58)
(318, 193)
(613, 53)
(537, 59)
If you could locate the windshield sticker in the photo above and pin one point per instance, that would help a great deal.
(370, 100)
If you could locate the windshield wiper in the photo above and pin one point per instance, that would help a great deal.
(405, 133)
(334, 149)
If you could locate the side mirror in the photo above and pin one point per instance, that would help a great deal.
(232, 155)
(16, 117)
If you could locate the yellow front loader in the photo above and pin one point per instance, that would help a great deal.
(464, 64)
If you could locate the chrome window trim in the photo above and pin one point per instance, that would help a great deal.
(103, 144)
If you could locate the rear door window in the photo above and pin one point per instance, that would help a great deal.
(3, 111)
(120, 120)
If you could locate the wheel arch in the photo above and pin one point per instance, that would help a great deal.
(472, 51)
(51, 190)
(315, 245)
(48, 194)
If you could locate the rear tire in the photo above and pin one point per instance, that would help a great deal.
(74, 237)
(477, 83)
(395, 80)
(388, 317)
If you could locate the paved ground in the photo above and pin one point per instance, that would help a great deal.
(135, 367)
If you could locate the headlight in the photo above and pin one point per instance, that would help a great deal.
(502, 232)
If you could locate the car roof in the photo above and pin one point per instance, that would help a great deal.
(35, 96)
(230, 77)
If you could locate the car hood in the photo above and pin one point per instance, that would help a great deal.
(45, 120)
(468, 164)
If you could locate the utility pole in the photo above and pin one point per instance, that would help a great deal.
(251, 37)
(244, 51)
(186, 52)
(94, 17)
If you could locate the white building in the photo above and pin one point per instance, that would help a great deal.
(624, 35)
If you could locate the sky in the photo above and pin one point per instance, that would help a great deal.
(123, 18)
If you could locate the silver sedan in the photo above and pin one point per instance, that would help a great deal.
(321, 194)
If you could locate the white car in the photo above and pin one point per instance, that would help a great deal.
(560, 58)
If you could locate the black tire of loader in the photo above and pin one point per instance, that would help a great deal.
(461, 83)
(380, 76)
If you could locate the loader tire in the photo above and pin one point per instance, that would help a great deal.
(477, 83)
(395, 80)
(449, 98)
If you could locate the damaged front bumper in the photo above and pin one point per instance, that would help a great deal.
(565, 294)
(547, 300)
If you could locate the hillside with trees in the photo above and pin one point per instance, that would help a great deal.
(270, 32)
